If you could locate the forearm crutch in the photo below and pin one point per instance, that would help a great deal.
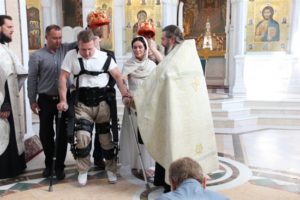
(138, 147)
(55, 150)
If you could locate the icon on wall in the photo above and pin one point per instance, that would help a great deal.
(34, 28)
(267, 25)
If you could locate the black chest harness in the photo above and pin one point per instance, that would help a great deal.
(92, 96)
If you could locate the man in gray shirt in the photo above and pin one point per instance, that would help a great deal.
(44, 71)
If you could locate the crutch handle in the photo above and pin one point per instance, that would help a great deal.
(59, 114)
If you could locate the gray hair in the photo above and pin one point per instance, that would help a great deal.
(173, 31)
(185, 168)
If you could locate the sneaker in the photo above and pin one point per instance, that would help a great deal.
(112, 177)
(82, 178)
(47, 172)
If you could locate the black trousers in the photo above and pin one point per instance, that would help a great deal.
(11, 163)
(159, 177)
(48, 112)
(97, 153)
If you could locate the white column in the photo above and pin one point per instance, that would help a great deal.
(87, 7)
(180, 16)
(58, 12)
(228, 36)
(2, 7)
(119, 27)
(25, 58)
(295, 29)
(237, 47)
(169, 12)
(119, 36)
(231, 51)
(294, 84)
(239, 89)
(46, 10)
(53, 12)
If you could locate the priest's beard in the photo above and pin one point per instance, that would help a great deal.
(168, 49)
(4, 38)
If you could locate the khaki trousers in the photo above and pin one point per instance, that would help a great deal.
(96, 114)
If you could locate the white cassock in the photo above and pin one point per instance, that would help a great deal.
(15, 74)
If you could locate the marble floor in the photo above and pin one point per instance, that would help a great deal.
(260, 164)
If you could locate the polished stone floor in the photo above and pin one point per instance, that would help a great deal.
(273, 156)
(265, 162)
(268, 158)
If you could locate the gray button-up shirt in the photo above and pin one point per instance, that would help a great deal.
(44, 71)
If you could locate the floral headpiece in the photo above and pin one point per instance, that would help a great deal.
(147, 29)
(96, 19)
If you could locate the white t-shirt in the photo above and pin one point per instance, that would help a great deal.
(95, 63)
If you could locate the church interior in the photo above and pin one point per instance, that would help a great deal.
(252, 74)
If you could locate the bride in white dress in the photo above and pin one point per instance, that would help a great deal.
(135, 71)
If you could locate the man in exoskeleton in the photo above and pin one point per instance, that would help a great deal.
(90, 80)
(96, 22)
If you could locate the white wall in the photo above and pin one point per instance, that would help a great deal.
(268, 76)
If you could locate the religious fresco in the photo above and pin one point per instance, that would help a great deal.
(136, 13)
(35, 34)
(106, 7)
(205, 21)
(267, 25)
